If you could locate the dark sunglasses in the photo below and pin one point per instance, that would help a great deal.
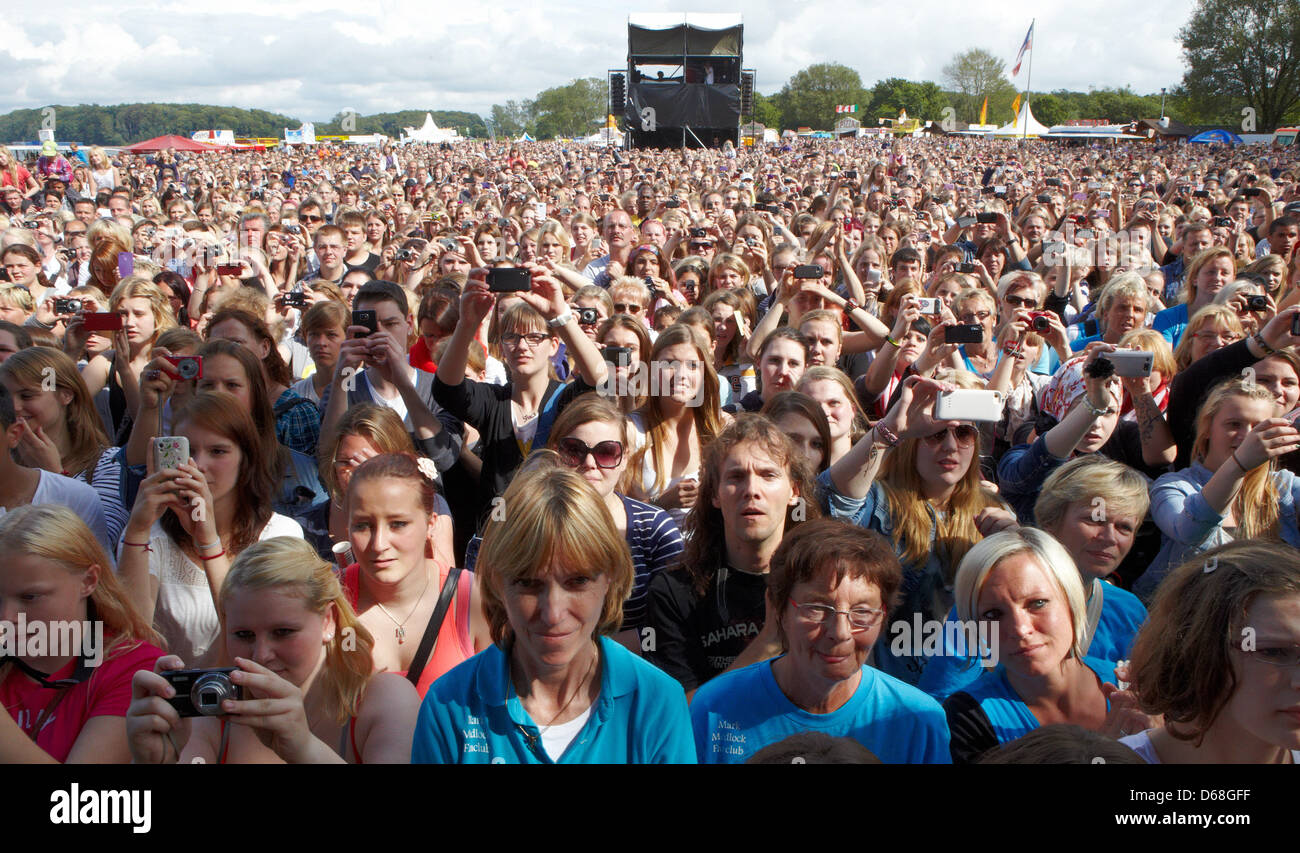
(965, 434)
(573, 452)
(304, 218)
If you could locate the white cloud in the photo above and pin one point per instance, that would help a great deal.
(311, 59)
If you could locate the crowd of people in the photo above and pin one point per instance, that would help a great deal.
(544, 453)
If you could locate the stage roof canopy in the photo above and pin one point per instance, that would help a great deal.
(677, 34)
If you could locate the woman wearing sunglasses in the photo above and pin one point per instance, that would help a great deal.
(928, 500)
(590, 436)
(631, 297)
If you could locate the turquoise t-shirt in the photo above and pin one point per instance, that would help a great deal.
(1008, 714)
(472, 716)
(740, 712)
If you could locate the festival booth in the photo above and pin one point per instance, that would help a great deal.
(429, 132)
(1024, 126)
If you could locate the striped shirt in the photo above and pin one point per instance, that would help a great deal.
(656, 545)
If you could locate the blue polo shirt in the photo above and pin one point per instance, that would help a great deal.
(471, 715)
(1171, 322)
(740, 712)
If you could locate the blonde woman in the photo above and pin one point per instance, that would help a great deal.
(48, 548)
(303, 662)
(146, 312)
(1211, 328)
(102, 171)
(916, 481)
(833, 389)
(14, 174)
(554, 688)
(1234, 489)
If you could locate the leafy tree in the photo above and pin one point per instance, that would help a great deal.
(513, 118)
(1247, 53)
(921, 100)
(810, 96)
(1049, 109)
(766, 111)
(575, 109)
(974, 75)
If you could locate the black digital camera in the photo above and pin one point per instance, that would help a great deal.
(200, 692)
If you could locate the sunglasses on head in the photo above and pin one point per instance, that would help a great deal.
(573, 452)
(965, 434)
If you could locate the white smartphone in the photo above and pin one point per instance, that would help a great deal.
(969, 405)
(1131, 363)
(170, 451)
(929, 304)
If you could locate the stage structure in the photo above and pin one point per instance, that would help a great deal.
(683, 86)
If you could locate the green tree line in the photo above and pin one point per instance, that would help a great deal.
(124, 124)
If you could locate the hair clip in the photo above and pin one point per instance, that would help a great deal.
(427, 468)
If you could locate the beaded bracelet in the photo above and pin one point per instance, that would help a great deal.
(886, 435)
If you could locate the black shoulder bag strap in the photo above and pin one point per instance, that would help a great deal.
(430, 639)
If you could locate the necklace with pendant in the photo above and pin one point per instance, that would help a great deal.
(401, 631)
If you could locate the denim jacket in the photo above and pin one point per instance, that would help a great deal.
(1021, 474)
(1190, 525)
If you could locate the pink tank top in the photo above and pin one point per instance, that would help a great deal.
(455, 645)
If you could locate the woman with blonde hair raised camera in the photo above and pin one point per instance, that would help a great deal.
(928, 500)
(1234, 488)
(303, 662)
(554, 688)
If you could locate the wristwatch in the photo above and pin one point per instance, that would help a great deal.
(1096, 412)
(560, 320)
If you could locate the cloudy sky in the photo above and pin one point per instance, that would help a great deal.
(316, 58)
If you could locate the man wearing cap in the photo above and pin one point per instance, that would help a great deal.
(53, 164)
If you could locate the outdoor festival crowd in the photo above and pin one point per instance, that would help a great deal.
(924, 450)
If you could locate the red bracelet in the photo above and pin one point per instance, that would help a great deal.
(144, 545)
(220, 553)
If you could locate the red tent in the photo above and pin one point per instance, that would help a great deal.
(158, 143)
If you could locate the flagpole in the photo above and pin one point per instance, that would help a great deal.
(1029, 77)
